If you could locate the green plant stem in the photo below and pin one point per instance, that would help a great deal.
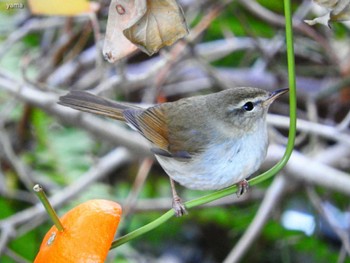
(292, 99)
(39, 191)
(262, 177)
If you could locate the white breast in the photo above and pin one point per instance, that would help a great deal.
(221, 165)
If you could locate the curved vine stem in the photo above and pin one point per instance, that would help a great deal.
(262, 177)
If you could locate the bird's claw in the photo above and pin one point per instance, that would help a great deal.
(243, 187)
(179, 207)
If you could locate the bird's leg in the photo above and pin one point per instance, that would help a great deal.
(178, 206)
(243, 187)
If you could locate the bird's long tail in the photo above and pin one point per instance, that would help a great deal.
(84, 101)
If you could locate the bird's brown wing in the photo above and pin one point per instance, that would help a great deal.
(152, 124)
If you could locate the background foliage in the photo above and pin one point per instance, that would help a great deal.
(242, 44)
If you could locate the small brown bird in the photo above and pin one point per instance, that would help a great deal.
(204, 142)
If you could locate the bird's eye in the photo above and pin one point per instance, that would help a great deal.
(249, 106)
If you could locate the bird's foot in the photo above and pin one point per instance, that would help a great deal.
(243, 187)
(179, 207)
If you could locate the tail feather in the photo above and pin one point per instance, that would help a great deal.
(84, 101)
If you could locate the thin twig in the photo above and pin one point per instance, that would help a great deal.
(7, 233)
(104, 129)
(298, 24)
(345, 123)
(103, 167)
(308, 170)
(325, 131)
(140, 179)
(269, 203)
(342, 234)
(35, 24)
(20, 168)
(15, 257)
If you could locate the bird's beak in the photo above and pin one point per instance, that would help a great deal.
(274, 95)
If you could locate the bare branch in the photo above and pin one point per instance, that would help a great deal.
(315, 128)
(21, 170)
(308, 170)
(34, 24)
(341, 233)
(269, 203)
(103, 167)
(48, 102)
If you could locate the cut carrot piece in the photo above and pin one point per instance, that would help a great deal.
(89, 229)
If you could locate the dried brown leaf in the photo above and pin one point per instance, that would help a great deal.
(122, 14)
(162, 24)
